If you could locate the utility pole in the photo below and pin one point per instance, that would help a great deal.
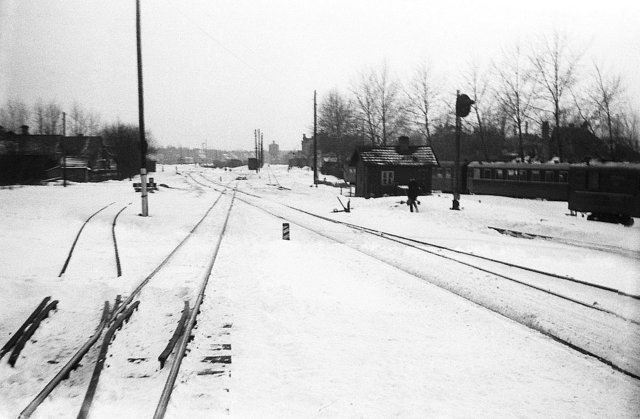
(255, 147)
(463, 107)
(456, 168)
(143, 141)
(261, 149)
(64, 150)
(315, 141)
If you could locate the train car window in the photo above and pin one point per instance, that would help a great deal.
(548, 176)
(563, 176)
(511, 174)
(535, 176)
(499, 174)
(476, 173)
(447, 173)
(486, 174)
(387, 177)
(522, 175)
(593, 181)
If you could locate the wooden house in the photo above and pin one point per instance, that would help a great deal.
(387, 170)
(27, 158)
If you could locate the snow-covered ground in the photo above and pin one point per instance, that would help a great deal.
(314, 327)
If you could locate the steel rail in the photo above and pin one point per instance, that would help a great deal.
(180, 353)
(437, 246)
(73, 246)
(540, 330)
(513, 265)
(115, 242)
(95, 377)
(69, 366)
(107, 318)
(144, 282)
(16, 336)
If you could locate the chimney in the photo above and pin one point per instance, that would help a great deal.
(24, 130)
(403, 145)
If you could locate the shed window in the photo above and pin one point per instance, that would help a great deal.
(387, 177)
(439, 173)
(447, 173)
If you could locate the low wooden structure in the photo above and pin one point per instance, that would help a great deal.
(385, 170)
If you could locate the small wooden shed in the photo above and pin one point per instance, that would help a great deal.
(386, 170)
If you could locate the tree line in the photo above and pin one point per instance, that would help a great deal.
(121, 140)
(526, 93)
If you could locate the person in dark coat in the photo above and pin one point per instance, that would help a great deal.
(412, 195)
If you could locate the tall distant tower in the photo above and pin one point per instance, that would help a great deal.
(274, 152)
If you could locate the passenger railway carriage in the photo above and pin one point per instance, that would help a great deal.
(519, 180)
(442, 177)
(608, 191)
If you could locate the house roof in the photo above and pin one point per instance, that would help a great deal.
(391, 156)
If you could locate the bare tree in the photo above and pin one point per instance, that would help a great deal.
(83, 121)
(555, 68)
(515, 90)
(629, 122)
(336, 115)
(380, 110)
(389, 106)
(14, 114)
(39, 110)
(605, 94)
(365, 95)
(423, 95)
(52, 118)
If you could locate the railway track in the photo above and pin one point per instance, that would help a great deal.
(100, 236)
(573, 242)
(614, 308)
(157, 293)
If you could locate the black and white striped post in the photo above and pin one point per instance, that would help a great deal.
(285, 231)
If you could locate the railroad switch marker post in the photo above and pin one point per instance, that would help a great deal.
(285, 231)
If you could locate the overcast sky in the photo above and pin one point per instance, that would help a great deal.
(216, 70)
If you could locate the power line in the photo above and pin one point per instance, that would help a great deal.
(208, 35)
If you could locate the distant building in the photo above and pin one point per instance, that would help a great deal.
(274, 153)
(385, 170)
(27, 158)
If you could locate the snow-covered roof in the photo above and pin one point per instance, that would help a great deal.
(391, 156)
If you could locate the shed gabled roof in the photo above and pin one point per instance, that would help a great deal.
(391, 156)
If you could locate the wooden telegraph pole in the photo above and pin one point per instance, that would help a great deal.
(141, 133)
(315, 141)
(64, 149)
(261, 150)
